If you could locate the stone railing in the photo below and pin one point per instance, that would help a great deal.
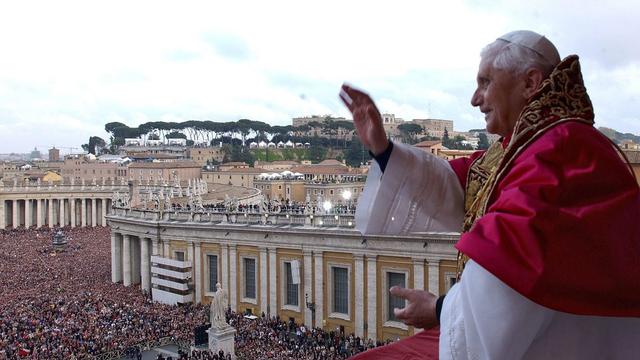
(343, 220)
(35, 188)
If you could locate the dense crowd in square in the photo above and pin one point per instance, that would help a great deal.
(63, 305)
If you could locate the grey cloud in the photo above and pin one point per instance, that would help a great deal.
(182, 55)
(228, 45)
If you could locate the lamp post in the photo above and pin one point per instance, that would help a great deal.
(346, 195)
(312, 307)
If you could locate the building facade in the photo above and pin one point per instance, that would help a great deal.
(281, 189)
(236, 177)
(183, 170)
(80, 168)
(56, 205)
(331, 277)
(204, 155)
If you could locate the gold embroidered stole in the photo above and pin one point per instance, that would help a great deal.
(476, 194)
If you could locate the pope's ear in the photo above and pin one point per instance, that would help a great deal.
(533, 79)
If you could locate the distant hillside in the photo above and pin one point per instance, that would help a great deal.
(618, 137)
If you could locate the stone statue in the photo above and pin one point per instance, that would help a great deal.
(219, 303)
(115, 199)
(198, 203)
(167, 202)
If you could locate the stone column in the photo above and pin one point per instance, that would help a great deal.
(27, 213)
(156, 247)
(197, 268)
(104, 211)
(318, 290)
(50, 212)
(264, 277)
(233, 274)
(418, 278)
(224, 266)
(359, 295)
(3, 214)
(72, 212)
(116, 258)
(145, 263)
(135, 260)
(308, 286)
(15, 219)
(39, 213)
(166, 249)
(28, 219)
(273, 283)
(418, 273)
(63, 219)
(83, 212)
(126, 260)
(434, 276)
(372, 319)
(94, 217)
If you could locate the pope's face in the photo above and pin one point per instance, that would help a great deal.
(500, 98)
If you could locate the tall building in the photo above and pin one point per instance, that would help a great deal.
(54, 154)
(435, 127)
(35, 154)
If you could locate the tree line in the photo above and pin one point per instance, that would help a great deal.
(339, 134)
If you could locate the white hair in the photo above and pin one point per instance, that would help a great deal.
(515, 58)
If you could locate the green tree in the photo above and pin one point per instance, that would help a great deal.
(176, 135)
(410, 132)
(356, 154)
(446, 141)
(316, 153)
(483, 141)
(94, 146)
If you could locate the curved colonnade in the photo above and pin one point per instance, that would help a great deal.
(331, 277)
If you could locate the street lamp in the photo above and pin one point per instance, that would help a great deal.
(346, 195)
(312, 307)
(326, 206)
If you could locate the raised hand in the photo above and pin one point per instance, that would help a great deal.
(366, 118)
(420, 310)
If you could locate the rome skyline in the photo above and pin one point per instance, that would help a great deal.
(69, 68)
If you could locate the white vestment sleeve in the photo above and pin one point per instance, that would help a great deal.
(483, 318)
(418, 192)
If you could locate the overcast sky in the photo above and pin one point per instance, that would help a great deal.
(67, 68)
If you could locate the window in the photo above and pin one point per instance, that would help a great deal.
(450, 280)
(393, 279)
(179, 255)
(291, 289)
(249, 278)
(340, 279)
(213, 272)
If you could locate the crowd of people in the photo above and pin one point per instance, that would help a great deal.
(60, 305)
(272, 338)
(273, 206)
(63, 305)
